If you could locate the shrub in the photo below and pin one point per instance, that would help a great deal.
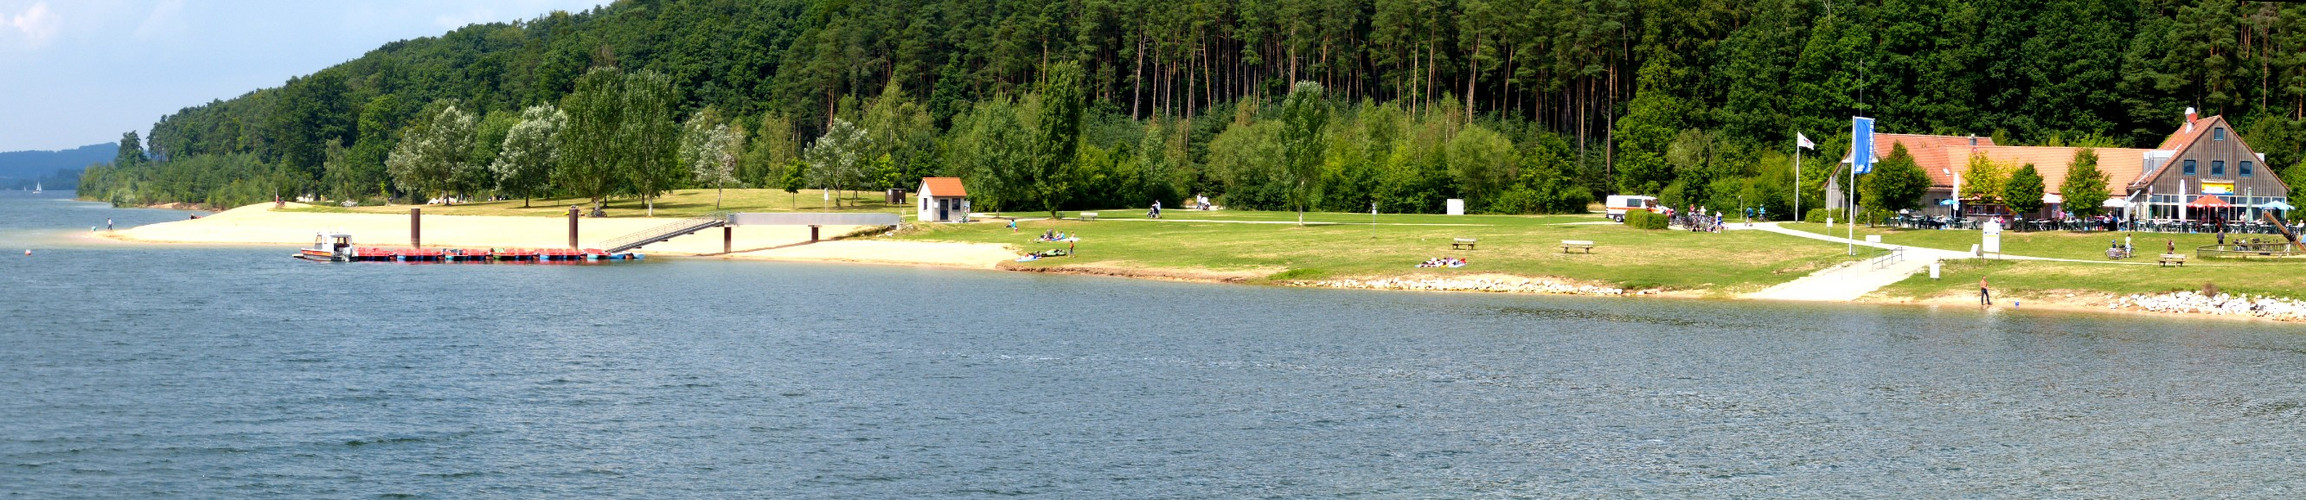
(1819, 215)
(1645, 220)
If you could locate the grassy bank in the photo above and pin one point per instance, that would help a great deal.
(1263, 246)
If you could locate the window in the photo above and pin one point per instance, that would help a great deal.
(2218, 168)
(2218, 134)
(2245, 169)
(2189, 167)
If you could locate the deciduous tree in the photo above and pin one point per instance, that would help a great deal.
(525, 161)
(2085, 189)
(432, 153)
(2024, 191)
(1304, 114)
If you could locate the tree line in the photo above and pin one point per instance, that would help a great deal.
(1513, 105)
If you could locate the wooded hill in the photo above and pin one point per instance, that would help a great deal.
(1516, 105)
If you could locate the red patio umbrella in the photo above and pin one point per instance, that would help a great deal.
(2210, 201)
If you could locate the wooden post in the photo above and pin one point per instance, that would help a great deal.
(416, 227)
(572, 227)
(728, 239)
(812, 234)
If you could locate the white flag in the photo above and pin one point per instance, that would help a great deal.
(1804, 142)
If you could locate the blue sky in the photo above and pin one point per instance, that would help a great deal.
(78, 72)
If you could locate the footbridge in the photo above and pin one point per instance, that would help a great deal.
(728, 221)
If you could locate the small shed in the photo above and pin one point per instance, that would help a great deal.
(943, 199)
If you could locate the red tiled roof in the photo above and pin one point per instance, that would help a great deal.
(2121, 165)
(943, 187)
(1943, 156)
(1925, 148)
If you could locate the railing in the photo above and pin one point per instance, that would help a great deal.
(1890, 256)
(665, 231)
(2253, 248)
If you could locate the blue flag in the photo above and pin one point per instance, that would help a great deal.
(1862, 144)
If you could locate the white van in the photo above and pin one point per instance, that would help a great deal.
(1618, 204)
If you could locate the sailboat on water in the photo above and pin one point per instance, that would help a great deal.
(35, 187)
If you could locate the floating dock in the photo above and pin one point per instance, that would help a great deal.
(338, 247)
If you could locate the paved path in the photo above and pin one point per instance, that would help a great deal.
(1850, 280)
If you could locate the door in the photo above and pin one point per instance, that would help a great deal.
(944, 207)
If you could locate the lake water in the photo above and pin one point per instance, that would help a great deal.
(131, 371)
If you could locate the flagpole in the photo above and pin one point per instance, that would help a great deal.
(1798, 182)
(1852, 241)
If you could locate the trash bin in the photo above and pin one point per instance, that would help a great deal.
(1933, 269)
(896, 196)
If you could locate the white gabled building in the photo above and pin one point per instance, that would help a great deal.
(943, 199)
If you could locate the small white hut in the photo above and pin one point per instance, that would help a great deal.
(944, 200)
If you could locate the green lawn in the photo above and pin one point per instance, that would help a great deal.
(680, 203)
(1363, 219)
(2036, 278)
(1725, 263)
(2055, 244)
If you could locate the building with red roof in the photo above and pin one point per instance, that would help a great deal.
(2204, 156)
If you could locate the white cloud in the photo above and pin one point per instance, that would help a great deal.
(167, 17)
(35, 26)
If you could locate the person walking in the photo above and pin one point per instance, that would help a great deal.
(1985, 294)
(108, 223)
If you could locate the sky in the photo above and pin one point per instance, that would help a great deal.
(80, 72)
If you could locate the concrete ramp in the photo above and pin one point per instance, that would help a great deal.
(1845, 282)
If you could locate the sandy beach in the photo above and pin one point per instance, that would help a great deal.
(261, 224)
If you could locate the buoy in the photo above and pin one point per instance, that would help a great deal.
(27, 252)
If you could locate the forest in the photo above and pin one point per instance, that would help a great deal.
(1517, 106)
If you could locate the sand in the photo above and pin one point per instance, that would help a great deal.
(261, 224)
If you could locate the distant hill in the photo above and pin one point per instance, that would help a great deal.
(22, 165)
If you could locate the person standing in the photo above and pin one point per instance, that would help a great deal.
(108, 223)
(1985, 294)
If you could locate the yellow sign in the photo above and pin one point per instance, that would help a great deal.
(2218, 188)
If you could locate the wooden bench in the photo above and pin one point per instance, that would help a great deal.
(1088, 215)
(1569, 244)
(1462, 243)
(2173, 259)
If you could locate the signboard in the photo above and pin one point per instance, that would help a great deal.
(1993, 232)
(2223, 188)
(1456, 206)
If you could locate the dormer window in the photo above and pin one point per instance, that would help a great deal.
(2218, 134)
(2245, 167)
(2189, 167)
(2217, 168)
